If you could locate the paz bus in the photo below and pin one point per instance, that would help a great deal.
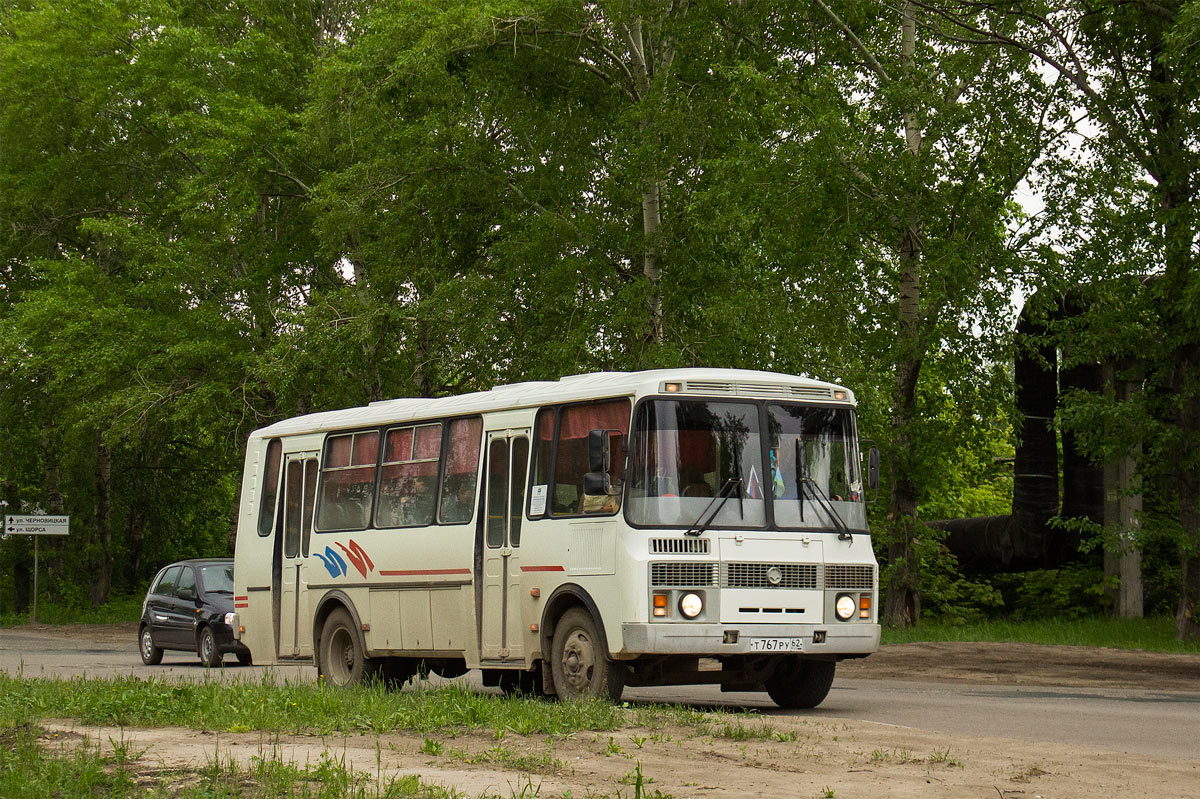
(668, 527)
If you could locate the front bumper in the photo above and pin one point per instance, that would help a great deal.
(847, 638)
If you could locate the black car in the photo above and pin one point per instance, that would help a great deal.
(190, 607)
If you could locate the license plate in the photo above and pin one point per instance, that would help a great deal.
(776, 644)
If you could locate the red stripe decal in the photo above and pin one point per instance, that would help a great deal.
(241, 598)
(421, 572)
(241, 604)
(542, 569)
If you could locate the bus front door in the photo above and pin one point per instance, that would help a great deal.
(299, 494)
(500, 626)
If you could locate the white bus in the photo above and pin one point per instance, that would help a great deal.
(667, 527)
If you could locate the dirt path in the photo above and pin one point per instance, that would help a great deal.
(980, 663)
(801, 758)
(784, 756)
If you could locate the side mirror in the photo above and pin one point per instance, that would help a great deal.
(873, 468)
(598, 451)
(187, 594)
(597, 484)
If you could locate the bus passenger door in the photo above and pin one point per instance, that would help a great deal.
(299, 494)
(501, 633)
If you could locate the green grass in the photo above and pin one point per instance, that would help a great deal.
(316, 709)
(33, 769)
(1154, 634)
(117, 609)
(34, 764)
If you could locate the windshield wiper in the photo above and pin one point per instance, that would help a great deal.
(697, 526)
(803, 482)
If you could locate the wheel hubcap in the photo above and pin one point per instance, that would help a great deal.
(147, 644)
(579, 662)
(342, 657)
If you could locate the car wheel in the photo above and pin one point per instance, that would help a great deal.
(799, 683)
(245, 658)
(342, 658)
(207, 649)
(579, 661)
(151, 654)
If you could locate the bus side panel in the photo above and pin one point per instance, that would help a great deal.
(423, 620)
(252, 562)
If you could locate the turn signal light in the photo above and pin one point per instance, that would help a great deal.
(864, 606)
(660, 604)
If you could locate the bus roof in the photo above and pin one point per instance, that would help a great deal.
(693, 382)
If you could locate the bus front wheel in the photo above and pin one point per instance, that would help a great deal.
(579, 661)
(342, 659)
(799, 683)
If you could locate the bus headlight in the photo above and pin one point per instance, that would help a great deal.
(845, 607)
(690, 605)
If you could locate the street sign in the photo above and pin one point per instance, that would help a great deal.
(37, 525)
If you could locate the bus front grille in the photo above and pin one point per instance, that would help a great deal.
(840, 576)
(682, 575)
(679, 546)
(759, 575)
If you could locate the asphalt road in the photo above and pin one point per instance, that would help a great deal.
(1135, 721)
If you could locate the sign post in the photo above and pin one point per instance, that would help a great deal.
(36, 526)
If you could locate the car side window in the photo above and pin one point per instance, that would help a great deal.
(187, 581)
(166, 583)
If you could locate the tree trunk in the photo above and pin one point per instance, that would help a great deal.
(642, 70)
(54, 497)
(103, 584)
(1181, 328)
(903, 606)
(1187, 615)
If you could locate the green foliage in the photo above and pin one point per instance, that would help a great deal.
(1072, 592)
(1154, 634)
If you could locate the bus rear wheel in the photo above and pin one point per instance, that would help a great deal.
(342, 659)
(579, 661)
(800, 683)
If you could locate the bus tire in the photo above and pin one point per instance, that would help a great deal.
(343, 660)
(579, 660)
(800, 683)
(151, 654)
(207, 649)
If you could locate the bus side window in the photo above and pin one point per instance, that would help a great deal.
(408, 476)
(571, 456)
(270, 484)
(462, 467)
(348, 481)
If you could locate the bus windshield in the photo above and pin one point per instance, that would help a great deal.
(686, 452)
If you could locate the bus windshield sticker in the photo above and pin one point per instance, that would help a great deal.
(537, 501)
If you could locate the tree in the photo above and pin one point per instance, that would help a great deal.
(932, 144)
(1132, 67)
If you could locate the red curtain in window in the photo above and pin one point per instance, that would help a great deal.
(463, 457)
(579, 420)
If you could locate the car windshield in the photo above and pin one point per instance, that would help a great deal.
(217, 579)
(684, 452)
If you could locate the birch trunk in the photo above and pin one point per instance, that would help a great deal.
(903, 606)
